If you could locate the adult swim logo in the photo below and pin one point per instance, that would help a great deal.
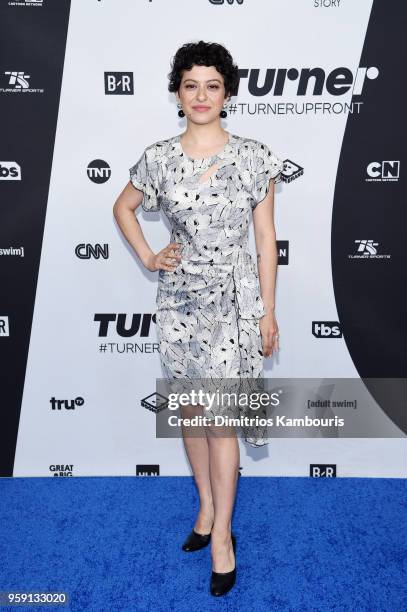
(17, 81)
(386, 171)
(366, 249)
(119, 83)
(98, 171)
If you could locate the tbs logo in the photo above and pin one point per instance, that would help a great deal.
(10, 171)
(326, 329)
(119, 83)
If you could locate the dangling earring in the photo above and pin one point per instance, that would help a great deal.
(223, 113)
(180, 112)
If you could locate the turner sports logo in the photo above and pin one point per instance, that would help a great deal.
(386, 171)
(366, 249)
(10, 171)
(17, 81)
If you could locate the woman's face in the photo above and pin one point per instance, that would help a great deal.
(201, 93)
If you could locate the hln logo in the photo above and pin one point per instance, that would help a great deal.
(119, 83)
(322, 470)
(147, 470)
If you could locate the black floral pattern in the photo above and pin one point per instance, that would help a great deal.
(208, 308)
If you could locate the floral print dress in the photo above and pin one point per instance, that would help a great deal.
(208, 308)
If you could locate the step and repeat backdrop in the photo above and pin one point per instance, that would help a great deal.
(83, 90)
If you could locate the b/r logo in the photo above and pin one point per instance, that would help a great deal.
(119, 83)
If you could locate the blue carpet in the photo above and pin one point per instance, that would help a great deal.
(114, 544)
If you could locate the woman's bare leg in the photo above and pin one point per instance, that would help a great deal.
(224, 459)
(196, 446)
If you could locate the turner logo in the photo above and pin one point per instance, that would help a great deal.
(4, 328)
(61, 470)
(10, 171)
(125, 326)
(98, 171)
(307, 81)
(326, 329)
(366, 249)
(387, 171)
(119, 83)
(18, 82)
(86, 251)
(322, 470)
(64, 404)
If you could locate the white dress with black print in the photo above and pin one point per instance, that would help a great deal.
(208, 308)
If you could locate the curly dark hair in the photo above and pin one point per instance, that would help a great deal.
(204, 54)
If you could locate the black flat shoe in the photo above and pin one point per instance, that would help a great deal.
(196, 541)
(222, 582)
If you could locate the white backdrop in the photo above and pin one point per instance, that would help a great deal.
(109, 432)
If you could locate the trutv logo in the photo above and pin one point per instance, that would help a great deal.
(10, 171)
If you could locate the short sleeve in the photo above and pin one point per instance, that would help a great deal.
(265, 166)
(145, 176)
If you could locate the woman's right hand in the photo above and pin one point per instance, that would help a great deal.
(166, 259)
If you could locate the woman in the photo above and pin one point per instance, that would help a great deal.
(212, 321)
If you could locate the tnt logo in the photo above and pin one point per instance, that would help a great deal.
(326, 329)
(322, 470)
(98, 171)
(4, 329)
(10, 171)
(119, 83)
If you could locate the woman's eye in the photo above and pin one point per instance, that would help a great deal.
(214, 86)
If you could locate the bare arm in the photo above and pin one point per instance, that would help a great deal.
(124, 208)
(265, 236)
(267, 260)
